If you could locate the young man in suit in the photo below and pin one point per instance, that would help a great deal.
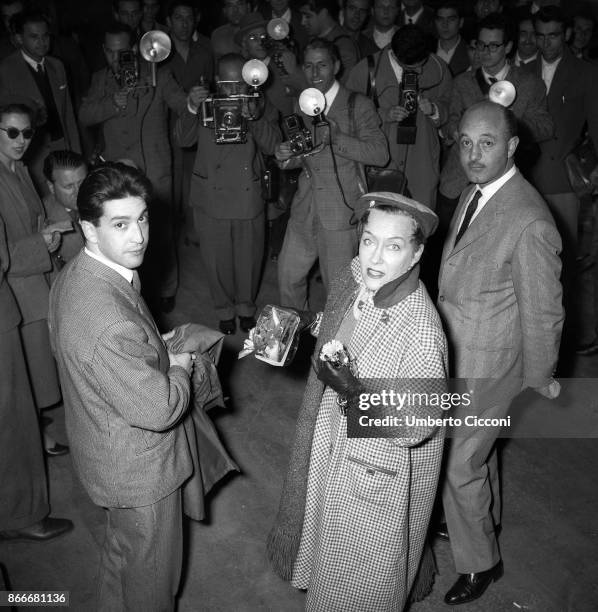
(384, 22)
(356, 14)
(451, 47)
(30, 73)
(321, 225)
(125, 395)
(572, 86)
(500, 300)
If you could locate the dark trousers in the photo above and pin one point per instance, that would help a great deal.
(23, 486)
(142, 556)
(232, 251)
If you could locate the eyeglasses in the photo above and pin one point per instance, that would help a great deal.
(492, 47)
(13, 132)
(254, 37)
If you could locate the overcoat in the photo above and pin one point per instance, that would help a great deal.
(368, 500)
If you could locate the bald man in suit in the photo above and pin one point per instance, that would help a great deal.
(500, 301)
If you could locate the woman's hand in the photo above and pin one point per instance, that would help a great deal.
(340, 379)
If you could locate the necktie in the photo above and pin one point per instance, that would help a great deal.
(471, 208)
(135, 281)
(40, 69)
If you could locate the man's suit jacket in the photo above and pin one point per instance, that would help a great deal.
(530, 107)
(123, 401)
(499, 292)
(140, 131)
(226, 177)
(572, 101)
(23, 215)
(354, 146)
(460, 61)
(17, 81)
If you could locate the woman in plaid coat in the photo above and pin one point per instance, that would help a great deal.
(354, 511)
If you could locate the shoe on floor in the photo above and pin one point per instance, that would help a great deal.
(471, 586)
(57, 450)
(46, 529)
(228, 326)
(247, 323)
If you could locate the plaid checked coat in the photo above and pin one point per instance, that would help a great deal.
(368, 501)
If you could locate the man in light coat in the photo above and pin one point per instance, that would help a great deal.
(500, 300)
(125, 395)
(321, 226)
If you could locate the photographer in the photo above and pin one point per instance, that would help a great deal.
(226, 193)
(408, 65)
(320, 226)
(133, 117)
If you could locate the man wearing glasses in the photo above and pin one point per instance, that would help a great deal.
(535, 124)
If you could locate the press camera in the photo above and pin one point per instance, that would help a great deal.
(128, 69)
(299, 137)
(407, 128)
(229, 109)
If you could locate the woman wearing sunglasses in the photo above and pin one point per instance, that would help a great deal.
(30, 244)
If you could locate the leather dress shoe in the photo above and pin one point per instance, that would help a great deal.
(57, 450)
(471, 586)
(228, 326)
(442, 532)
(46, 529)
(247, 323)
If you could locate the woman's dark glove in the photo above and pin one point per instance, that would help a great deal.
(340, 379)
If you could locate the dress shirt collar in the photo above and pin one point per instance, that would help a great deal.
(499, 76)
(411, 18)
(548, 70)
(124, 272)
(330, 96)
(32, 62)
(447, 56)
(522, 62)
(383, 38)
(394, 64)
(287, 15)
(488, 191)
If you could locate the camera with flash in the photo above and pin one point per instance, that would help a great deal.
(407, 128)
(154, 47)
(313, 103)
(229, 109)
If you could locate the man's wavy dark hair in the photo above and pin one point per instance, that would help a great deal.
(110, 181)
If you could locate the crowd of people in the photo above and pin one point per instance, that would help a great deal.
(372, 153)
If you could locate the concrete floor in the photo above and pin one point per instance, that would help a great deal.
(549, 540)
